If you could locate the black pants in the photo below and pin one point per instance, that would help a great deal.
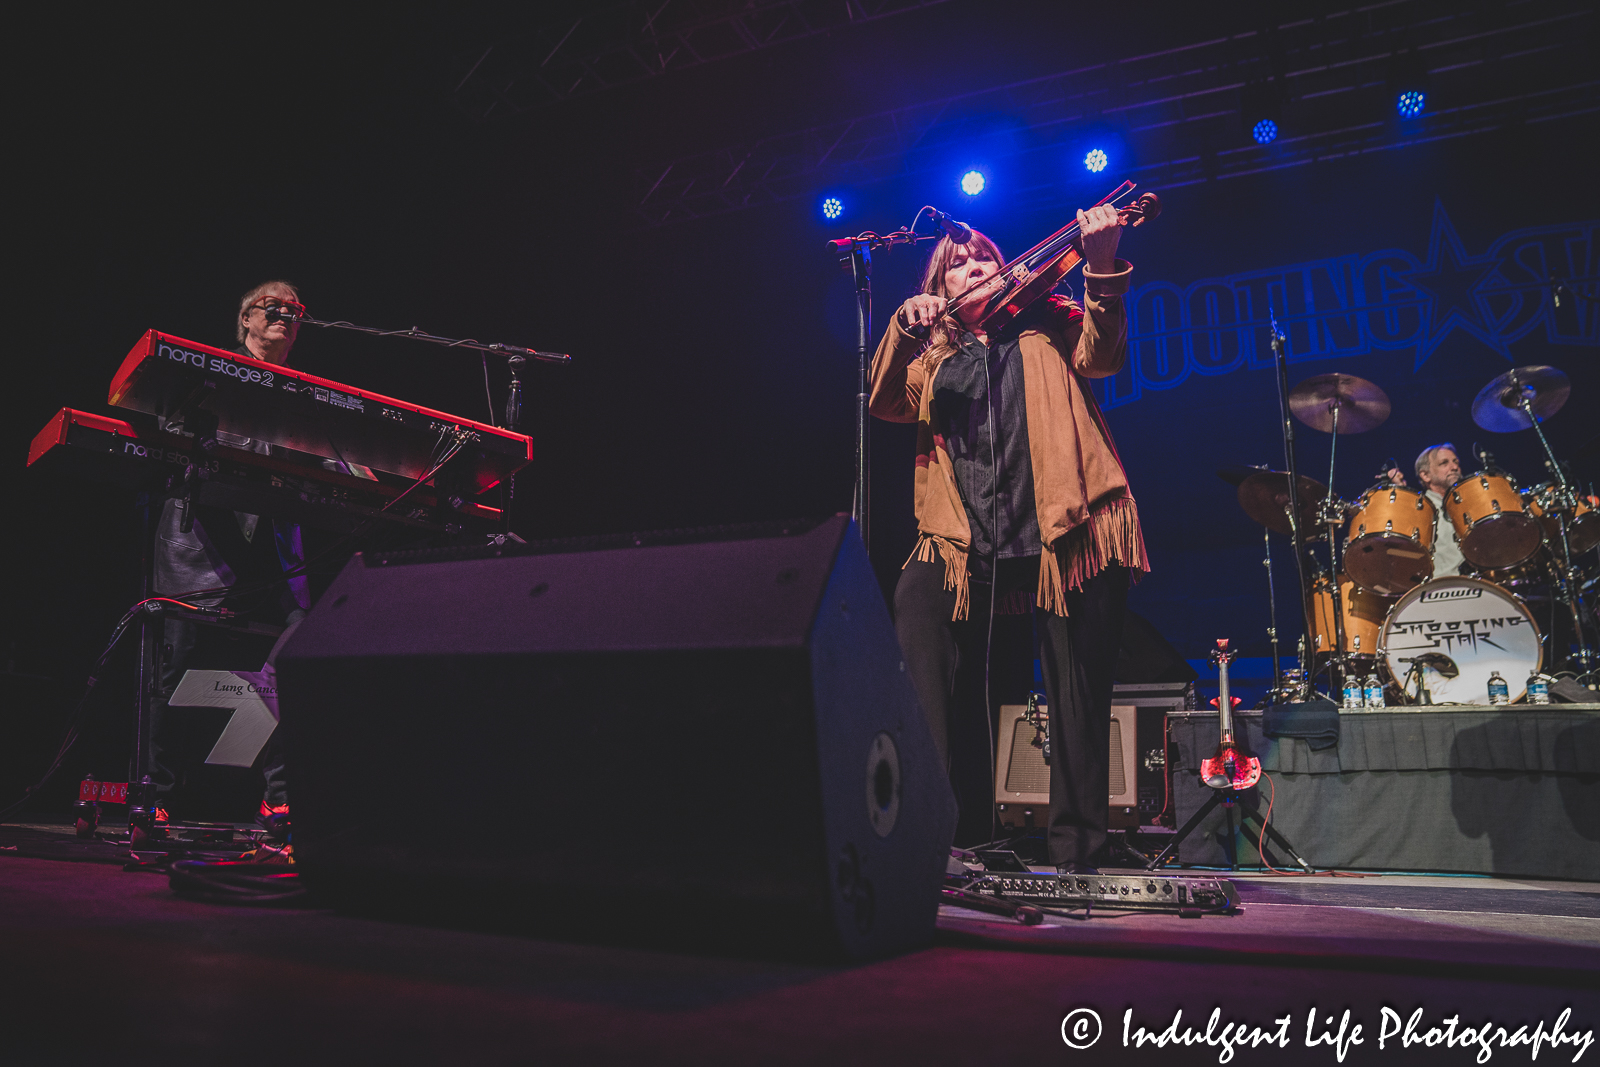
(1078, 657)
(174, 752)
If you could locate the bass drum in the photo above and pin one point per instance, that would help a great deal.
(1478, 625)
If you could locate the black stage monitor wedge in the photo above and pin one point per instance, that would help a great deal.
(709, 744)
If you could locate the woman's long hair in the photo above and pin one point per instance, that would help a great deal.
(940, 341)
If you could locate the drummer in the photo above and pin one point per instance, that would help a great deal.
(1438, 468)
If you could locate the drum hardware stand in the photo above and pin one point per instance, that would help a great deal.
(1280, 360)
(1272, 606)
(1424, 697)
(1584, 657)
(1337, 403)
(1339, 662)
(1441, 663)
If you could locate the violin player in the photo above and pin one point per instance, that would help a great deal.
(1022, 504)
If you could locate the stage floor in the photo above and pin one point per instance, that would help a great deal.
(102, 961)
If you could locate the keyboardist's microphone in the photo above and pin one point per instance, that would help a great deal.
(281, 314)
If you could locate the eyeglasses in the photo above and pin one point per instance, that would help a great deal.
(280, 309)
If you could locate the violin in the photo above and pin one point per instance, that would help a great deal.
(1041, 268)
(1229, 767)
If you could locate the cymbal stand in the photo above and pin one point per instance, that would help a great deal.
(1280, 360)
(1272, 607)
(1566, 566)
(1327, 513)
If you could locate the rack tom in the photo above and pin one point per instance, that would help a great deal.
(1491, 524)
(1389, 547)
(1583, 522)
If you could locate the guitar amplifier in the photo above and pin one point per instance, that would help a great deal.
(1138, 788)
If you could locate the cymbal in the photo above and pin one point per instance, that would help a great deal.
(1236, 473)
(1362, 405)
(1265, 498)
(1497, 409)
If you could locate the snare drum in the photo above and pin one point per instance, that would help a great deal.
(1583, 525)
(1364, 612)
(1479, 626)
(1491, 525)
(1389, 547)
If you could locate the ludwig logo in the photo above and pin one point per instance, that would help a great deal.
(1435, 595)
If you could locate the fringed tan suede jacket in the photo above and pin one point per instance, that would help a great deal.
(1087, 515)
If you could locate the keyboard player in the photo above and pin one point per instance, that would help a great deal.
(221, 551)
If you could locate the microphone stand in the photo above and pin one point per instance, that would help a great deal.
(1566, 499)
(857, 252)
(515, 356)
(509, 351)
(1281, 360)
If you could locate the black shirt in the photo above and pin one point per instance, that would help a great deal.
(961, 409)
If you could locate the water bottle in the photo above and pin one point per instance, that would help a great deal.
(1499, 691)
(1538, 689)
(1353, 696)
(1374, 691)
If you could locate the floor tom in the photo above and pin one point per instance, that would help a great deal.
(1364, 612)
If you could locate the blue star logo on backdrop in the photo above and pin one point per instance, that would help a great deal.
(1452, 283)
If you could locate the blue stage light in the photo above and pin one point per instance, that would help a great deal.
(1096, 161)
(1410, 103)
(1265, 131)
(832, 208)
(972, 182)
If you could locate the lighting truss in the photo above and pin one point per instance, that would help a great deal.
(598, 47)
(1489, 65)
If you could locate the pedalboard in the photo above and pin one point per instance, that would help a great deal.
(1182, 894)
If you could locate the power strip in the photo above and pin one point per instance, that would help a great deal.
(1183, 894)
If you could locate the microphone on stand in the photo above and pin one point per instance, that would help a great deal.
(1557, 291)
(958, 232)
(283, 312)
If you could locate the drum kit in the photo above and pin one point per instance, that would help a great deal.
(1376, 606)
